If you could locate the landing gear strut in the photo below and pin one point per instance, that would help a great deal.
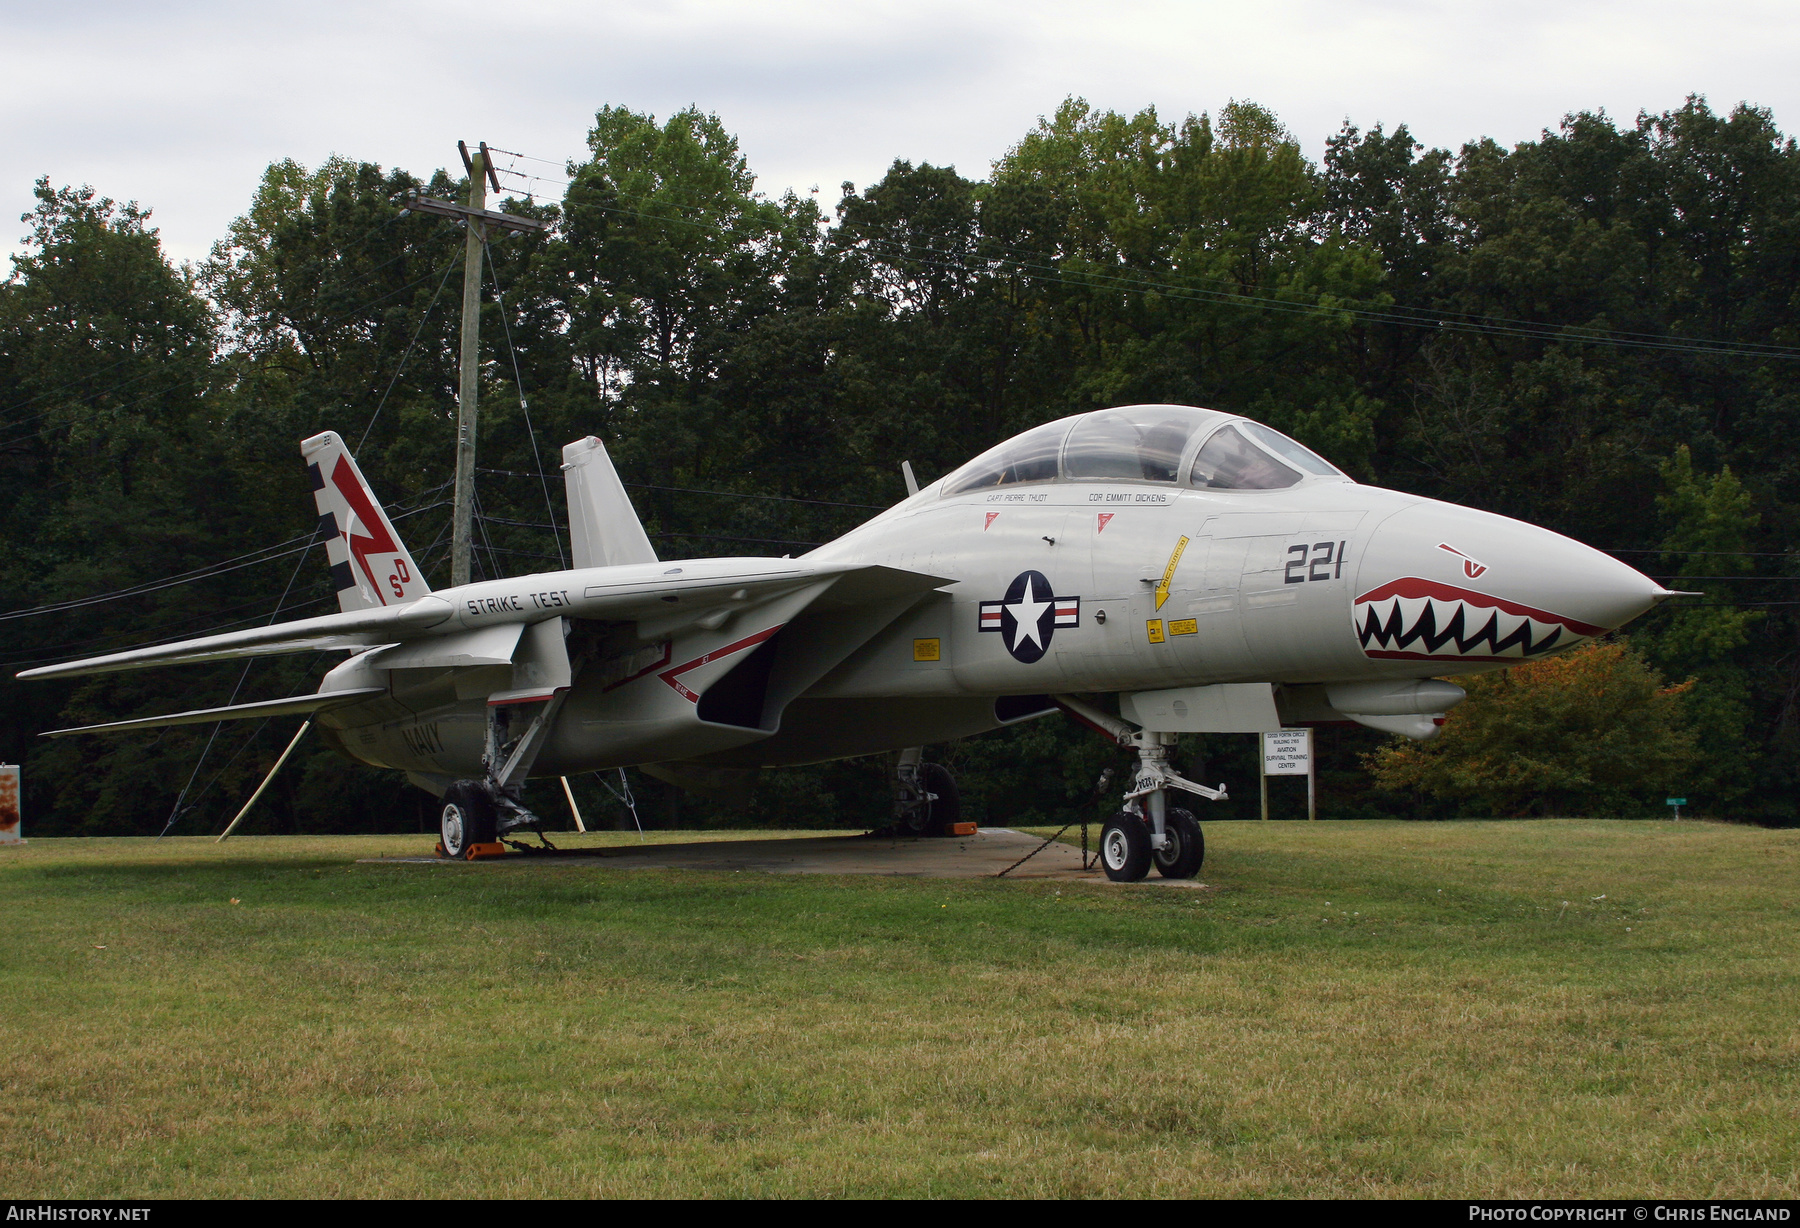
(478, 814)
(1148, 830)
(926, 802)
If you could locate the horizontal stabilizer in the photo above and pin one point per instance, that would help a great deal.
(292, 706)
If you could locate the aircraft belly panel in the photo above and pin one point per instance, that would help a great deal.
(817, 730)
(447, 740)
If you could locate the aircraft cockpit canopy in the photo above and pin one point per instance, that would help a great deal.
(1171, 444)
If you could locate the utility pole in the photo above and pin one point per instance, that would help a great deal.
(477, 220)
(468, 390)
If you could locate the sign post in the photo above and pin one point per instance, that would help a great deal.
(11, 828)
(1289, 752)
(1677, 803)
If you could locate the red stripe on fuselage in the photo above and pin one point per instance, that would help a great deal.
(672, 676)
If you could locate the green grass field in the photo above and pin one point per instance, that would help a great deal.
(1394, 1009)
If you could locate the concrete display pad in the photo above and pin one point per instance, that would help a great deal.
(982, 855)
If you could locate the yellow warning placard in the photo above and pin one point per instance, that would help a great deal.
(1168, 575)
(1154, 627)
(1184, 626)
(928, 650)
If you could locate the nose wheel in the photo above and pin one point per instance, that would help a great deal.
(1125, 847)
(1184, 847)
(1128, 846)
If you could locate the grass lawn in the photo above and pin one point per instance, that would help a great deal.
(1397, 1009)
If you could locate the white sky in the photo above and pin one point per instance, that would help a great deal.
(181, 104)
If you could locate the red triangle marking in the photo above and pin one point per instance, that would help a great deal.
(1104, 517)
(990, 520)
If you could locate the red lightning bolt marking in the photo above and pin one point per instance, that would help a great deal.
(344, 478)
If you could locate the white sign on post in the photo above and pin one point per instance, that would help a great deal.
(9, 805)
(1287, 752)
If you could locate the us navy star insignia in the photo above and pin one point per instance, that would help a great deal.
(1029, 615)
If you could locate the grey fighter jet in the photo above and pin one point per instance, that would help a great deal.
(1150, 570)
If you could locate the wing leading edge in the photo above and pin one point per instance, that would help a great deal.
(650, 594)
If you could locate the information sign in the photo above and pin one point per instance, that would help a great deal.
(1287, 752)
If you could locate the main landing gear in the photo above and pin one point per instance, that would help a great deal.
(926, 802)
(1147, 831)
(478, 814)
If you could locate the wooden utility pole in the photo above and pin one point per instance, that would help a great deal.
(477, 219)
(468, 390)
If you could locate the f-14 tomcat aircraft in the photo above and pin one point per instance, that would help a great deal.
(1196, 570)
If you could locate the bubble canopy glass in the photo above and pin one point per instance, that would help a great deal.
(1146, 443)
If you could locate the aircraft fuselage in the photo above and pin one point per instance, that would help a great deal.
(1062, 586)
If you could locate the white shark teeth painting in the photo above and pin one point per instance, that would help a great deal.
(1425, 620)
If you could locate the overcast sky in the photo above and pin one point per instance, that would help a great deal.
(181, 104)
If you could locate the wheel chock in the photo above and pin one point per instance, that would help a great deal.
(477, 851)
(962, 829)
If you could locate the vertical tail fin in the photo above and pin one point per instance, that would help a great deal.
(604, 530)
(369, 566)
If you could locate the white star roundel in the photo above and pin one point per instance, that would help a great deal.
(1029, 615)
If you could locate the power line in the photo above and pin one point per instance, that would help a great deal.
(175, 811)
(200, 573)
(519, 385)
(406, 353)
(1728, 554)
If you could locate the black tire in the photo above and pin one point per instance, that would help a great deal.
(1181, 855)
(466, 820)
(1125, 847)
(933, 816)
(945, 811)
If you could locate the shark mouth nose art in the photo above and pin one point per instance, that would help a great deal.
(1425, 620)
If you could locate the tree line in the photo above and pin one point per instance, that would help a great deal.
(1594, 331)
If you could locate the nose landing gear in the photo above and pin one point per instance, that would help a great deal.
(1148, 830)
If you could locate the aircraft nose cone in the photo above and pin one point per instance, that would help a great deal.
(1439, 581)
